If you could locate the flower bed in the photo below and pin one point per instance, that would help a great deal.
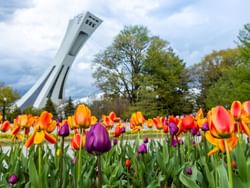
(193, 151)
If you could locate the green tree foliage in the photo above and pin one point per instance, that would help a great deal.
(143, 70)
(69, 108)
(32, 110)
(107, 105)
(244, 44)
(164, 86)
(7, 97)
(205, 74)
(234, 84)
(119, 67)
(50, 107)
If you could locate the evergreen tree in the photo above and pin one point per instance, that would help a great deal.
(69, 109)
(50, 107)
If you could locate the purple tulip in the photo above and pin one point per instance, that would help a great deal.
(174, 142)
(173, 129)
(194, 131)
(64, 130)
(205, 126)
(189, 171)
(145, 141)
(115, 141)
(142, 149)
(12, 179)
(123, 130)
(97, 140)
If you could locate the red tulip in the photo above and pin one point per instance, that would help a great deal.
(221, 122)
(236, 109)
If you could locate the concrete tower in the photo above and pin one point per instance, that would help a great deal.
(51, 83)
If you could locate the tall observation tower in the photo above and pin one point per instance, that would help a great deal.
(51, 83)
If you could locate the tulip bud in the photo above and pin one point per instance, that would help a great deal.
(97, 140)
(64, 130)
(205, 126)
(174, 142)
(142, 149)
(123, 130)
(189, 171)
(115, 141)
(12, 179)
(221, 122)
(173, 129)
(194, 131)
(145, 141)
(128, 163)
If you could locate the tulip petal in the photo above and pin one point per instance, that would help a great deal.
(244, 128)
(30, 141)
(213, 151)
(5, 126)
(50, 138)
(39, 137)
(246, 107)
(236, 109)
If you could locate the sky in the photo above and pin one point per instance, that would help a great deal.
(31, 31)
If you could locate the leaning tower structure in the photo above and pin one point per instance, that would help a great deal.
(52, 82)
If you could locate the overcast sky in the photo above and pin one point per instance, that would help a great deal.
(32, 30)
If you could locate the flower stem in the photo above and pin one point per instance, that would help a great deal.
(39, 160)
(99, 166)
(79, 158)
(62, 162)
(229, 166)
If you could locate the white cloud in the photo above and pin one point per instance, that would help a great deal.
(31, 36)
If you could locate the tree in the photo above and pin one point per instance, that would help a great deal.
(69, 109)
(7, 97)
(165, 89)
(233, 85)
(143, 70)
(50, 107)
(205, 74)
(244, 44)
(118, 69)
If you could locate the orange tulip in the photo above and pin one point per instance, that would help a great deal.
(137, 119)
(113, 117)
(159, 122)
(5, 126)
(220, 122)
(187, 123)
(236, 109)
(199, 118)
(72, 123)
(136, 122)
(219, 143)
(107, 122)
(83, 116)
(42, 128)
(75, 141)
(149, 123)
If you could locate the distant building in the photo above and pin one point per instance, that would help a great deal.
(51, 83)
